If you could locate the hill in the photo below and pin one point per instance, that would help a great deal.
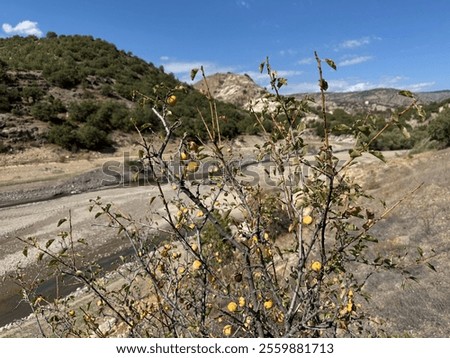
(372, 108)
(75, 91)
(379, 99)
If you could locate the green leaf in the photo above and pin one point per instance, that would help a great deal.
(281, 82)
(261, 66)
(193, 73)
(323, 85)
(406, 93)
(48, 243)
(61, 221)
(420, 251)
(52, 263)
(431, 267)
(341, 127)
(331, 63)
(354, 153)
(378, 154)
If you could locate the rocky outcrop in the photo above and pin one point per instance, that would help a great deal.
(233, 88)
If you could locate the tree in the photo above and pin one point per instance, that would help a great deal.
(283, 251)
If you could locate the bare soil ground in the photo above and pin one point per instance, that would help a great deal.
(37, 188)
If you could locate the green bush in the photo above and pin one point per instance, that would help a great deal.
(47, 111)
(92, 138)
(439, 128)
(81, 111)
(65, 77)
(64, 135)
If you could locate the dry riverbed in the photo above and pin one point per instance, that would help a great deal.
(35, 194)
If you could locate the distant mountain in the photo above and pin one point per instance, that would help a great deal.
(380, 99)
(241, 90)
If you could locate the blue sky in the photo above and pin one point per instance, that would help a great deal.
(376, 43)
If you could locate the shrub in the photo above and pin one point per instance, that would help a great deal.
(239, 260)
(47, 111)
(64, 135)
(92, 138)
(439, 128)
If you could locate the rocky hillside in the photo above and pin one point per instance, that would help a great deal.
(74, 91)
(232, 88)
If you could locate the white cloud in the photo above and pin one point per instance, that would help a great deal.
(182, 69)
(23, 28)
(263, 79)
(354, 61)
(354, 43)
(306, 61)
(418, 87)
(288, 52)
(353, 85)
(242, 3)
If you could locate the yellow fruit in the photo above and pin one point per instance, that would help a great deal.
(71, 313)
(316, 266)
(193, 146)
(227, 330)
(349, 306)
(171, 100)
(232, 306)
(181, 270)
(196, 265)
(268, 304)
(280, 317)
(192, 166)
(241, 301)
(200, 214)
(307, 219)
(184, 156)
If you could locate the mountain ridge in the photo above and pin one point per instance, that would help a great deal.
(240, 89)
